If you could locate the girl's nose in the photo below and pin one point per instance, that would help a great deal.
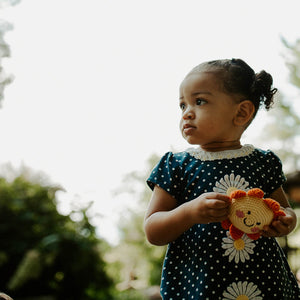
(188, 114)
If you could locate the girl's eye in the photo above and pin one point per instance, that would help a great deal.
(182, 106)
(200, 101)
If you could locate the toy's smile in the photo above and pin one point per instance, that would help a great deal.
(245, 222)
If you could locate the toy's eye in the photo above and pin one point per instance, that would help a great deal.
(258, 223)
(249, 212)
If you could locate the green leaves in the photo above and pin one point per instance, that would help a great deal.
(43, 252)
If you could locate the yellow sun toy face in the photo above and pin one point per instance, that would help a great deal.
(250, 212)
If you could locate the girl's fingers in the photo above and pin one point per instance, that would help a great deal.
(277, 228)
(282, 228)
(217, 204)
(217, 196)
(286, 220)
(218, 213)
(269, 232)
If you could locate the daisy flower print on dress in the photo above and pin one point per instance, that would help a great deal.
(238, 250)
(230, 183)
(242, 291)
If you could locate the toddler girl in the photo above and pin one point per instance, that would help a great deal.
(218, 100)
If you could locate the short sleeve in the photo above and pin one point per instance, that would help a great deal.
(166, 175)
(274, 171)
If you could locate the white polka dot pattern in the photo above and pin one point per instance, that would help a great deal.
(204, 262)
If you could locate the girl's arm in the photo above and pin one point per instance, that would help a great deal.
(165, 221)
(285, 224)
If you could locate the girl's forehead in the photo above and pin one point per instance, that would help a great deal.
(200, 80)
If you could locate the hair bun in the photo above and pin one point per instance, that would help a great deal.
(262, 88)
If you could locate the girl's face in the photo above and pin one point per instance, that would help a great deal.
(208, 113)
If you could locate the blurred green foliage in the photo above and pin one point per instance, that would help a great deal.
(292, 60)
(286, 129)
(5, 78)
(134, 263)
(44, 253)
(282, 132)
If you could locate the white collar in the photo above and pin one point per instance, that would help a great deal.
(226, 154)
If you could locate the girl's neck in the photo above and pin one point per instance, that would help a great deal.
(221, 146)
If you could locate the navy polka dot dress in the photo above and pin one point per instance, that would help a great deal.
(205, 262)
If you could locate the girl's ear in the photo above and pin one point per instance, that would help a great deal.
(244, 113)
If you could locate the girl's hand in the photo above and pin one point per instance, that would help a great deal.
(209, 208)
(165, 220)
(281, 227)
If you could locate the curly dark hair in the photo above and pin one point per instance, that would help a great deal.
(239, 78)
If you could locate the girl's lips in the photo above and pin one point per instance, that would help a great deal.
(187, 126)
(188, 129)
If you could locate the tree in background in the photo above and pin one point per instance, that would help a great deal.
(283, 133)
(134, 263)
(292, 60)
(4, 47)
(44, 253)
(284, 129)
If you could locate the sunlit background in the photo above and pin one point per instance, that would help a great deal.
(95, 88)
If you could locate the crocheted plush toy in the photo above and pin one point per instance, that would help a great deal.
(250, 212)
